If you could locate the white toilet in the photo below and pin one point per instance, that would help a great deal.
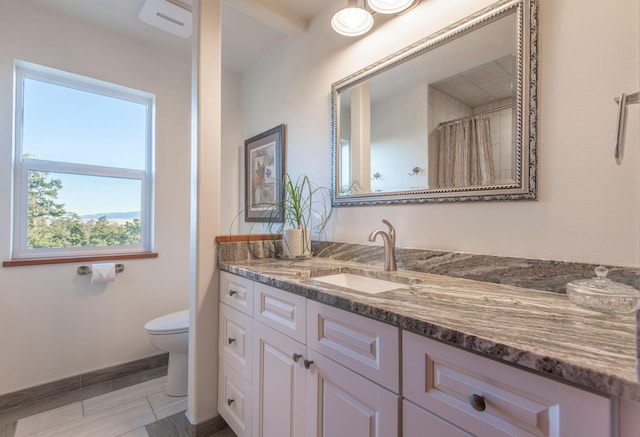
(170, 333)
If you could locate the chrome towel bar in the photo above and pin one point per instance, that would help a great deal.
(623, 100)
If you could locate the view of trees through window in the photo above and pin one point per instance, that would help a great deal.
(49, 224)
(84, 162)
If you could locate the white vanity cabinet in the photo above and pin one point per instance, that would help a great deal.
(299, 392)
(237, 292)
(279, 390)
(486, 398)
(366, 346)
(418, 422)
(344, 382)
(292, 367)
(235, 357)
(353, 382)
(342, 403)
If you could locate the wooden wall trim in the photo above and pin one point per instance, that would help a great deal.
(246, 237)
(77, 259)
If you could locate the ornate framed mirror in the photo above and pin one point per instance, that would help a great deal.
(452, 117)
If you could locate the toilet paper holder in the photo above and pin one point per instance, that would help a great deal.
(86, 270)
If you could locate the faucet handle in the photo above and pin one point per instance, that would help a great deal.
(392, 230)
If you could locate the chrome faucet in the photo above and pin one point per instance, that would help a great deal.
(389, 240)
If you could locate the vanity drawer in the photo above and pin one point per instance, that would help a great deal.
(237, 292)
(366, 346)
(235, 340)
(283, 311)
(234, 400)
(417, 421)
(508, 401)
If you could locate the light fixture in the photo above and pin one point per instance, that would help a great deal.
(352, 20)
(391, 6)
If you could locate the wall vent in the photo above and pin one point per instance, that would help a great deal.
(168, 16)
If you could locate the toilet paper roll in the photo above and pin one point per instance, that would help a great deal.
(102, 273)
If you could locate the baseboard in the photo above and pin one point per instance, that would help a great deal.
(206, 428)
(40, 392)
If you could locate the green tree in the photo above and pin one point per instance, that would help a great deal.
(131, 233)
(42, 209)
(50, 225)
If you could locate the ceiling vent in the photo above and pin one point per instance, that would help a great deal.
(169, 15)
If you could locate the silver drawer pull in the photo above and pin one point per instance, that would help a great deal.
(230, 340)
(296, 357)
(307, 363)
(232, 292)
(477, 402)
(230, 401)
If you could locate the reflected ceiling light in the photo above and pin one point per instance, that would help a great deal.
(391, 6)
(353, 20)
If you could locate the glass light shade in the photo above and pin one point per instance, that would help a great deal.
(390, 6)
(352, 20)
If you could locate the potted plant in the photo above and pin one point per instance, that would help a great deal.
(306, 209)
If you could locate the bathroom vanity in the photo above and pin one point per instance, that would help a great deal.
(300, 356)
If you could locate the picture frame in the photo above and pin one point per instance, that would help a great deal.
(264, 170)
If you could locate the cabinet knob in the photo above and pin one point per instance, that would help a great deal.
(232, 292)
(230, 401)
(230, 340)
(307, 363)
(477, 402)
(296, 357)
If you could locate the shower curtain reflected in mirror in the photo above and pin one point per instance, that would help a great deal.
(465, 153)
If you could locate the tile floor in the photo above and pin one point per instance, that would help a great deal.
(141, 410)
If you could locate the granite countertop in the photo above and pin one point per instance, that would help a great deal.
(537, 330)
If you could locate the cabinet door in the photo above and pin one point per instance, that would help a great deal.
(279, 384)
(234, 341)
(341, 403)
(234, 400)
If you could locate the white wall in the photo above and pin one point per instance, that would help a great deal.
(588, 207)
(206, 125)
(232, 186)
(398, 137)
(53, 324)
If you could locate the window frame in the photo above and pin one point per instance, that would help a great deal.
(22, 166)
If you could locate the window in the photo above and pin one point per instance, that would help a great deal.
(83, 166)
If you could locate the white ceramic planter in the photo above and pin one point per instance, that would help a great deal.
(296, 243)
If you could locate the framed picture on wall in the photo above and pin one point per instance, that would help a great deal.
(264, 169)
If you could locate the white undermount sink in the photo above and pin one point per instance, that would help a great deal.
(364, 284)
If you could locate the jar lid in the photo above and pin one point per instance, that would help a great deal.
(600, 285)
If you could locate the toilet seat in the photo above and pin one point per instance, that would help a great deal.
(173, 323)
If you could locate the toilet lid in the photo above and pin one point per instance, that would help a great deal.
(169, 323)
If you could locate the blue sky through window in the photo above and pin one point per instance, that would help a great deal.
(65, 124)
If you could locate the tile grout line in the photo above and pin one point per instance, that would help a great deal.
(151, 406)
(42, 392)
(9, 428)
